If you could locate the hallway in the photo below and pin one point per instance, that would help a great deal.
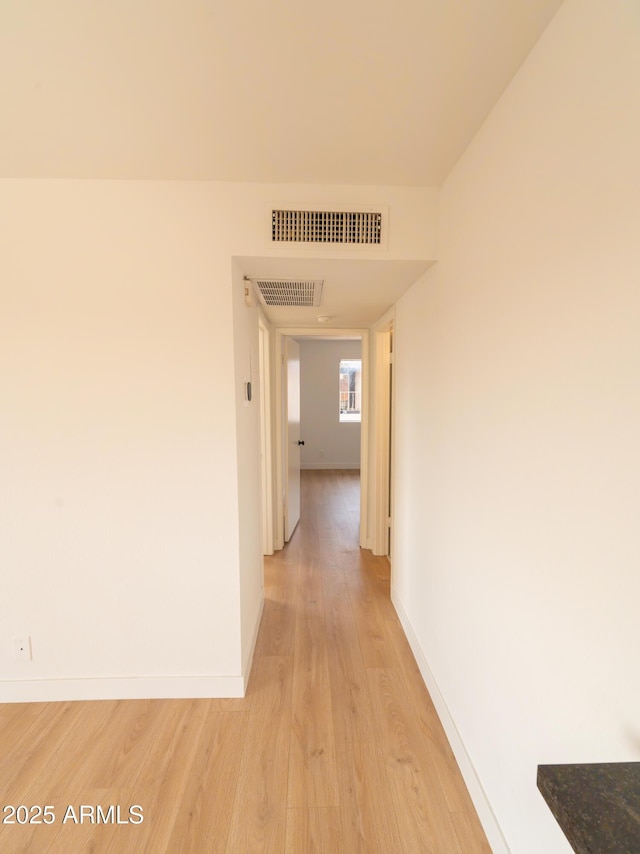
(336, 747)
(369, 768)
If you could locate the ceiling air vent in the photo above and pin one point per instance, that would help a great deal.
(345, 227)
(296, 292)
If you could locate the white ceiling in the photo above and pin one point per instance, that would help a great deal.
(355, 293)
(341, 92)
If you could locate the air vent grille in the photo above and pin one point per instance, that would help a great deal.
(295, 292)
(346, 227)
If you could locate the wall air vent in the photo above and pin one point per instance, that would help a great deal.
(342, 227)
(295, 292)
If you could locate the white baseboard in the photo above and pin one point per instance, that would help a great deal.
(347, 466)
(132, 688)
(478, 796)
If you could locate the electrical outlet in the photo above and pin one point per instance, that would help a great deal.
(22, 649)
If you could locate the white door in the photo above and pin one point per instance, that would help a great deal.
(292, 437)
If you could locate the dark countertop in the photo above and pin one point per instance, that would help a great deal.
(597, 806)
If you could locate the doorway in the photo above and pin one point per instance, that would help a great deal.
(282, 441)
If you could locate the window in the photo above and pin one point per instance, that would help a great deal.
(350, 389)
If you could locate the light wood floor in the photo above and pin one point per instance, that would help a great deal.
(336, 748)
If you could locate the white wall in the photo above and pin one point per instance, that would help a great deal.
(328, 442)
(518, 417)
(248, 432)
(129, 517)
(119, 479)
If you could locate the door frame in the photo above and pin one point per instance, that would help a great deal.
(266, 474)
(314, 332)
(382, 540)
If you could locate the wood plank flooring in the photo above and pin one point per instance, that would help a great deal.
(336, 747)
